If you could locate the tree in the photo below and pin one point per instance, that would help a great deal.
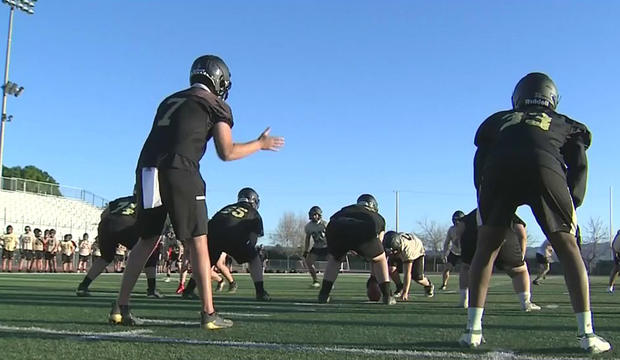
(433, 236)
(593, 234)
(290, 232)
(46, 183)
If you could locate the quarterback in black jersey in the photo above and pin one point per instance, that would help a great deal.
(360, 228)
(169, 181)
(118, 226)
(234, 230)
(531, 155)
(510, 258)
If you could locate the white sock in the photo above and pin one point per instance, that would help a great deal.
(474, 318)
(584, 323)
(464, 296)
(524, 297)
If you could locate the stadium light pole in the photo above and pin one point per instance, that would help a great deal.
(26, 6)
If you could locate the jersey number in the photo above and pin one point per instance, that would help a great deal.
(176, 102)
(126, 206)
(236, 211)
(540, 120)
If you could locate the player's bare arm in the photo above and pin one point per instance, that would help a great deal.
(407, 267)
(228, 150)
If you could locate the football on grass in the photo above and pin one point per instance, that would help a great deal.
(372, 289)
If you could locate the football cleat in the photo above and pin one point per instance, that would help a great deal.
(220, 286)
(117, 318)
(154, 294)
(190, 296)
(82, 292)
(429, 291)
(530, 306)
(315, 285)
(389, 300)
(593, 344)
(443, 287)
(610, 290)
(537, 282)
(180, 288)
(263, 297)
(214, 322)
(232, 287)
(472, 339)
(167, 279)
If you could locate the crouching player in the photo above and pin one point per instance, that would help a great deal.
(234, 230)
(509, 259)
(359, 228)
(117, 226)
(408, 250)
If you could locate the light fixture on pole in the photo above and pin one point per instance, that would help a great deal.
(10, 88)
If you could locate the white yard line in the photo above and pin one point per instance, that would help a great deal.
(38, 330)
(139, 335)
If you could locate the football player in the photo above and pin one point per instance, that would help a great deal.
(52, 249)
(169, 180)
(531, 155)
(26, 253)
(510, 258)
(39, 253)
(118, 227)
(11, 242)
(543, 258)
(315, 229)
(615, 248)
(452, 247)
(234, 230)
(360, 228)
(84, 253)
(408, 250)
(67, 248)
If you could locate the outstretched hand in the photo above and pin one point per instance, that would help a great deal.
(267, 142)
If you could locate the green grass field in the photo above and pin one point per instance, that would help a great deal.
(41, 318)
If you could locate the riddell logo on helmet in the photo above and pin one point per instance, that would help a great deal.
(542, 102)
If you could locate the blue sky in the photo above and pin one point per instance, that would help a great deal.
(371, 96)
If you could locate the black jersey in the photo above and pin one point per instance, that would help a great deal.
(470, 234)
(182, 127)
(120, 214)
(241, 216)
(361, 214)
(531, 138)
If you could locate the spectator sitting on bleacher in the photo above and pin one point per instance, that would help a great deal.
(9, 240)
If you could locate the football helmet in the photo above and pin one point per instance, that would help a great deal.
(535, 89)
(391, 242)
(315, 210)
(213, 72)
(457, 216)
(249, 195)
(368, 201)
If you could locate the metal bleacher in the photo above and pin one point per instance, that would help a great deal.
(65, 214)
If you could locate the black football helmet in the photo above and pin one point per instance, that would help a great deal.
(391, 242)
(211, 71)
(249, 195)
(369, 201)
(315, 210)
(457, 216)
(535, 89)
